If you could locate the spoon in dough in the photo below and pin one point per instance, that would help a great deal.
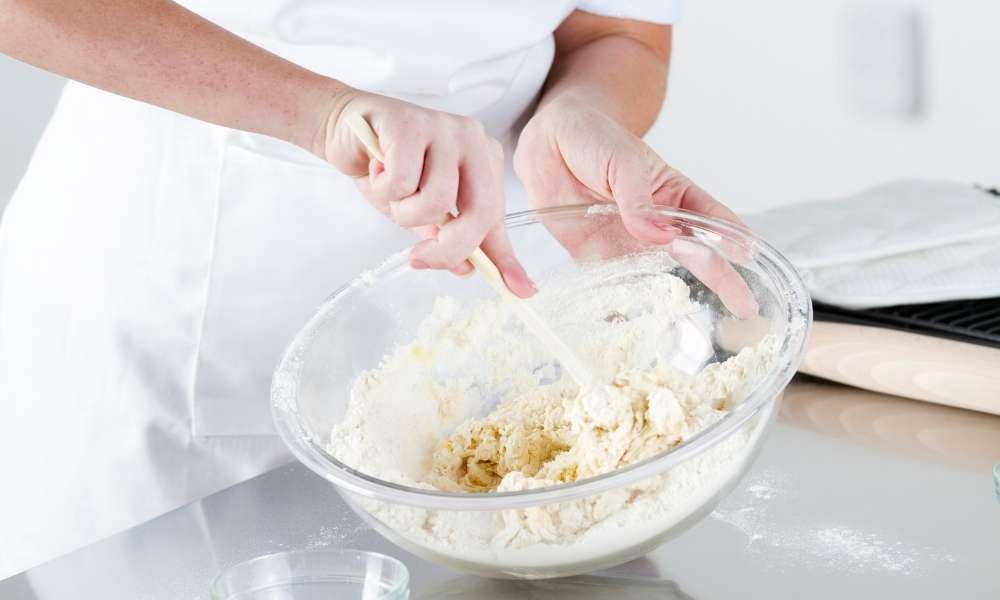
(485, 267)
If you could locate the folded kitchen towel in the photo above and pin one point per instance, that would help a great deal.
(903, 242)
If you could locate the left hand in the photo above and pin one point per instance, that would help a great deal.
(570, 153)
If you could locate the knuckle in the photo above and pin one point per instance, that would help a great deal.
(499, 211)
(471, 236)
(382, 207)
(487, 225)
(472, 127)
(495, 149)
(414, 118)
(519, 162)
(455, 248)
(440, 201)
(399, 190)
(400, 186)
(459, 255)
(407, 137)
(440, 261)
(401, 217)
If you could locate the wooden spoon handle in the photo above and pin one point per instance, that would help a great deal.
(485, 267)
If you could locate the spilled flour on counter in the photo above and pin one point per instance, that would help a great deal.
(474, 404)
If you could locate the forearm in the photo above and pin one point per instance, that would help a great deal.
(158, 52)
(617, 67)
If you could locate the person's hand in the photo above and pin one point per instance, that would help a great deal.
(435, 164)
(569, 153)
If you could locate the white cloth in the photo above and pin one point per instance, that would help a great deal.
(903, 242)
(654, 11)
(152, 267)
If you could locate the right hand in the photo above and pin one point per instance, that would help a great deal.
(435, 163)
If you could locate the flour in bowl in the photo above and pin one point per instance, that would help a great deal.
(474, 404)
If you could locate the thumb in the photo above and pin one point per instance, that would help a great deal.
(631, 181)
(498, 247)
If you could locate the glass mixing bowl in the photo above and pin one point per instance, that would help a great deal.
(666, 493)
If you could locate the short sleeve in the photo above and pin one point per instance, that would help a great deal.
(654, 11)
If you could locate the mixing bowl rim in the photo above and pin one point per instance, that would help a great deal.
(785, 279)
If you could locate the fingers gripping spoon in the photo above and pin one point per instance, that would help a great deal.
(485, 267)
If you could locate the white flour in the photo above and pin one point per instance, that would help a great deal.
(423, 418)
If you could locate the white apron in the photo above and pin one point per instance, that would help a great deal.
(152, 267)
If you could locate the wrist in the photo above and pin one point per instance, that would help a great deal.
(555, 103)
(574, 99)
(585, 103)
(558, 112)
(322, 101)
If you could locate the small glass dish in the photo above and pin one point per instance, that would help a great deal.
(314, 575)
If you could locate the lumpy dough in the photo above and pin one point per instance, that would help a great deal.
(417, 419)
(549, 436)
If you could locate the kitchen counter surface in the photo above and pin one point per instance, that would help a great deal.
(854, 495)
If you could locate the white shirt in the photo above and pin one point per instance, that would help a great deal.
(481, 58)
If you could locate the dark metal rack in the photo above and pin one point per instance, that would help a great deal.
(976, 321)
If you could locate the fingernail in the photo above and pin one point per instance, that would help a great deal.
(521, 275)
(527, 279)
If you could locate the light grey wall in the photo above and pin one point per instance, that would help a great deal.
(27, 97)
(773, 102)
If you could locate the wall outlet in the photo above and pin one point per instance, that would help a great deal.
(885, 59)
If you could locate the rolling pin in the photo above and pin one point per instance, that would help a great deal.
(906, 364)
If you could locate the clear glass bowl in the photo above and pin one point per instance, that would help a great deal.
(361, 322)
(314, 575)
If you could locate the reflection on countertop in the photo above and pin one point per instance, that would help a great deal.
(591, 587)
(953, 436)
